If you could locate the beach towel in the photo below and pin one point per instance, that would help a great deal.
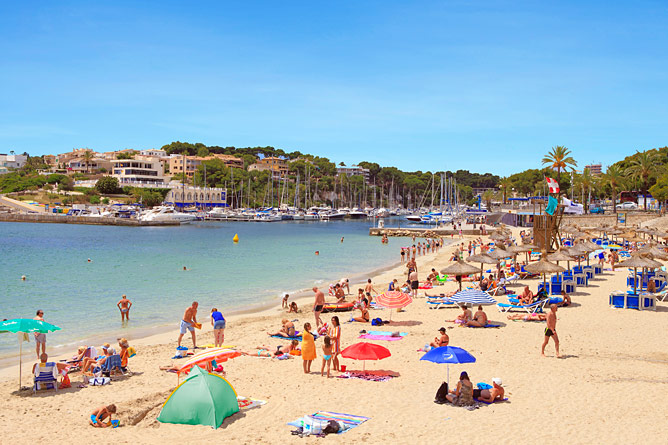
(488, 325)
(371, 376)
(379, 337)
(249, 403)
(489, 403)
(401, 334)
(348, 421)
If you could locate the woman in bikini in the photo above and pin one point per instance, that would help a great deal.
(479, 319)
(335, 335)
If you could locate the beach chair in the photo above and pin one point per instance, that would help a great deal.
(536, 306)
(647, 301)
(45, 375)
(112, 364)
(438, 302)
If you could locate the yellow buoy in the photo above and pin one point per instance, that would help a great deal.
(236, 238)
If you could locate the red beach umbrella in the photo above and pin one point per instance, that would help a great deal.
(366, 351)
(393, 300)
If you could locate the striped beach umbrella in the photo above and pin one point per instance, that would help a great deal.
(393, 300)
(472, 296)
(207, 356)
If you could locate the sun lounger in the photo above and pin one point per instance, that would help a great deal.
(45, 375)
(440, 303)
(536, 306)
(112, 364)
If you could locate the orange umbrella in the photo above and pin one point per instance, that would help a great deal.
(393, 299)
(207, 356)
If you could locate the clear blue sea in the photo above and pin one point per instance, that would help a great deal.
(146, 263)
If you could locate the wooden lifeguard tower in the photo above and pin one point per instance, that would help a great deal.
(546, 233)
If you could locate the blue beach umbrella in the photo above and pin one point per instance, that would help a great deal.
(26, 325)
(448, 354)
(472, 296)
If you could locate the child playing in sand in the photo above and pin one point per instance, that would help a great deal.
(326, 356)
(293, 307)
(98, 416)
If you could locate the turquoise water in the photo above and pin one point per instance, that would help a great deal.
(146, 263)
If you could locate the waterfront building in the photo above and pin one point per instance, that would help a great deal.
(79, 165)
(277, 165)
(179, 164)
(189, 196)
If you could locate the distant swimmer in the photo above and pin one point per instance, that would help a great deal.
(342, 239)
(89, 260)
(317, 252)
(185, 268)
(23, 277)
(124, 306)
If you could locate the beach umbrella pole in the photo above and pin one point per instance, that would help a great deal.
(20, 361)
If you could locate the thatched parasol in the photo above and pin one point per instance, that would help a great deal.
(458, 269)
(544, 267)
(482, 258)
(636, 261)
(499, 254)
(561, 255)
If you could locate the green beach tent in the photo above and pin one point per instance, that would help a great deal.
(202, 399)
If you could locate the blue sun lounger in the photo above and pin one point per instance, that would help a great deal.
(529, 308)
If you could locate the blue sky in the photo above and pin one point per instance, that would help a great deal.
(483, 86)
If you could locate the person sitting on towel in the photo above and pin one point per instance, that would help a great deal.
(496, 393)
(433, 276)
(288, 329)
(364, 317)
(443, 340)
(479, 319)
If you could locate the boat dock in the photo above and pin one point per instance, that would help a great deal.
(422, 232)
(96, 221)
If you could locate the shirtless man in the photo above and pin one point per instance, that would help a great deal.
(124, 306)
(411, 265)
(551, 330)
(432, 276)
(368, 289)
(318, 305)
(492, 395)
(479, 319)
(187, 323)
(443, 340)
(340, 294)
(415, 283)
(527, 296)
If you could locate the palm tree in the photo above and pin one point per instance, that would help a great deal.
(487, 196)
(87, 157)
(614, 177)
(505, 184)
(559, 159)
(643, 166)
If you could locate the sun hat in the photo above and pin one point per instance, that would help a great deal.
(497, 380)
(106, 346)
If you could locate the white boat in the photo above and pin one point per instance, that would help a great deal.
(382, 213)
(267, 217)
(357, 213)
(299, 216)
(335, 215)
(414, 218)
(311, 216)
(166, 213)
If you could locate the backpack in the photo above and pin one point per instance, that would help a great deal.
(441, 393)
(377, 322)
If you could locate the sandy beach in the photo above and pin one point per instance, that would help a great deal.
(606, 388)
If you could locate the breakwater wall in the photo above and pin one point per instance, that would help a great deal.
(632, 219)
(64, 219)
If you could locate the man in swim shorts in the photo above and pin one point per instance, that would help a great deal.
(551, 330)
(40, 337)
(496, 393)
(188, 322)
(415, 283)
(124, 306)
(318, 305)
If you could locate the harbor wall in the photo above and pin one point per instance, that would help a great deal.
(64, 219)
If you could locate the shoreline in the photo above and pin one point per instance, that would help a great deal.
(140, 334)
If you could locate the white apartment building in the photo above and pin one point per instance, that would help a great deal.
(13, 161)
(138, 171)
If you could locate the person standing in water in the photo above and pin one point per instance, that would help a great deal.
(124, 306)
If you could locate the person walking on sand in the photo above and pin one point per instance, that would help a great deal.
(124, 306)
(551, 330)
(188, 323)
(318, 305)
(40, 337)
(368, 289)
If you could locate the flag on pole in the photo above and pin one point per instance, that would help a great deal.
(552, 184)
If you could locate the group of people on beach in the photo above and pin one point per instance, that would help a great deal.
(420, 248)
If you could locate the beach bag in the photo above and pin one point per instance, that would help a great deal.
(311, 425)
(377, 322)
(442, 393)
(99, 381)
(181, 352)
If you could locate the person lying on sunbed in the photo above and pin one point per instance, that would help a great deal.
(443, 340)
(364, 316)
(496, 393)
(89, 363)
(526, 297)
(288, 329)
(479, 319)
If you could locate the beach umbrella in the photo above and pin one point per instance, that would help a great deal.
(365, 351)
(26, 325)
(207, 356)
(459, 268)
(473, 297)
(560, 255)
(635, 262)
(448, 354)
(393, 300)
(544, 267)
(202, 399)
(481, 258)
(499, 254)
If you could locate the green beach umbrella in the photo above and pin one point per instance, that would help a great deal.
(17, 325)
(202, 399)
